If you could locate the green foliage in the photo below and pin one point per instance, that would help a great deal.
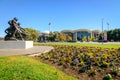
(51, 36)
(104, 64)
(113, 35)
(111, 64)
(24, 68)
(61, 37)
(73, 63)
(32, 34)
(56, 36)
(101, 36)
(69, 38)
(108, 77)
(56, 33)
(114, 72)
(91, 39)
(93, 73)
(84, 38)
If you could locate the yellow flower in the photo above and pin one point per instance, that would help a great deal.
(105, 55)
(90, 54)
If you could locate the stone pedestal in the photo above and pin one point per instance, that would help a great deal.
(16, 44)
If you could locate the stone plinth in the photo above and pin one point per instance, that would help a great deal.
(16, 44)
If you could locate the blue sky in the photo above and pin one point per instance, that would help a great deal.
(63, 14)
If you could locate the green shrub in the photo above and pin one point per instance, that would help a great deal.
(99, 69)
(114, 72)
(105, 64)
(84, 38)
(93, 73)
(111, 64)
(108, 77)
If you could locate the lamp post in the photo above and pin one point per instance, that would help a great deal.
(102, 31)
(49, 26)
(108, 26)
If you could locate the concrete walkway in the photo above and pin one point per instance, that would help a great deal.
(31, 51)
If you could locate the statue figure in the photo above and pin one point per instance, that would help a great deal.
(15, 32)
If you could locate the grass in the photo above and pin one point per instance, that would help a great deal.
(25, 68)
(79, 44)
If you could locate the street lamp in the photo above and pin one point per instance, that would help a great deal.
(49, 26)
(102, 31)
(108, 26)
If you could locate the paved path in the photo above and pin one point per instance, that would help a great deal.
(31, 51)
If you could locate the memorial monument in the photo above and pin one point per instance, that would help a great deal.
(16, 37)
(15, 32)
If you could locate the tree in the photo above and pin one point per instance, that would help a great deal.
(94, 39)
(84, 38)
(51, 36)
(113, 35)
(69, 38)
(61, 37)
(32, 34)
(100, 37)
(90, 39)
(56, 35)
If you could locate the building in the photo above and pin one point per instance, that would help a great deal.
(80, 33)
(43, 36)
(76, 35)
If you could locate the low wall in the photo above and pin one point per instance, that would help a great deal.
(16, 44)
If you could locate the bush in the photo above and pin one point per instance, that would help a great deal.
(107, 77)
(84, 38)
(105, 64)
(114, 72)
(93, 73)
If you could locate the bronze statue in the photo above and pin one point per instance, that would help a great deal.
(15, 32)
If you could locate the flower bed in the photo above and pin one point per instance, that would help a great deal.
(88, 62)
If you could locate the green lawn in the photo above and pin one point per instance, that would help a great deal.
(79, 44)
(25, 68)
